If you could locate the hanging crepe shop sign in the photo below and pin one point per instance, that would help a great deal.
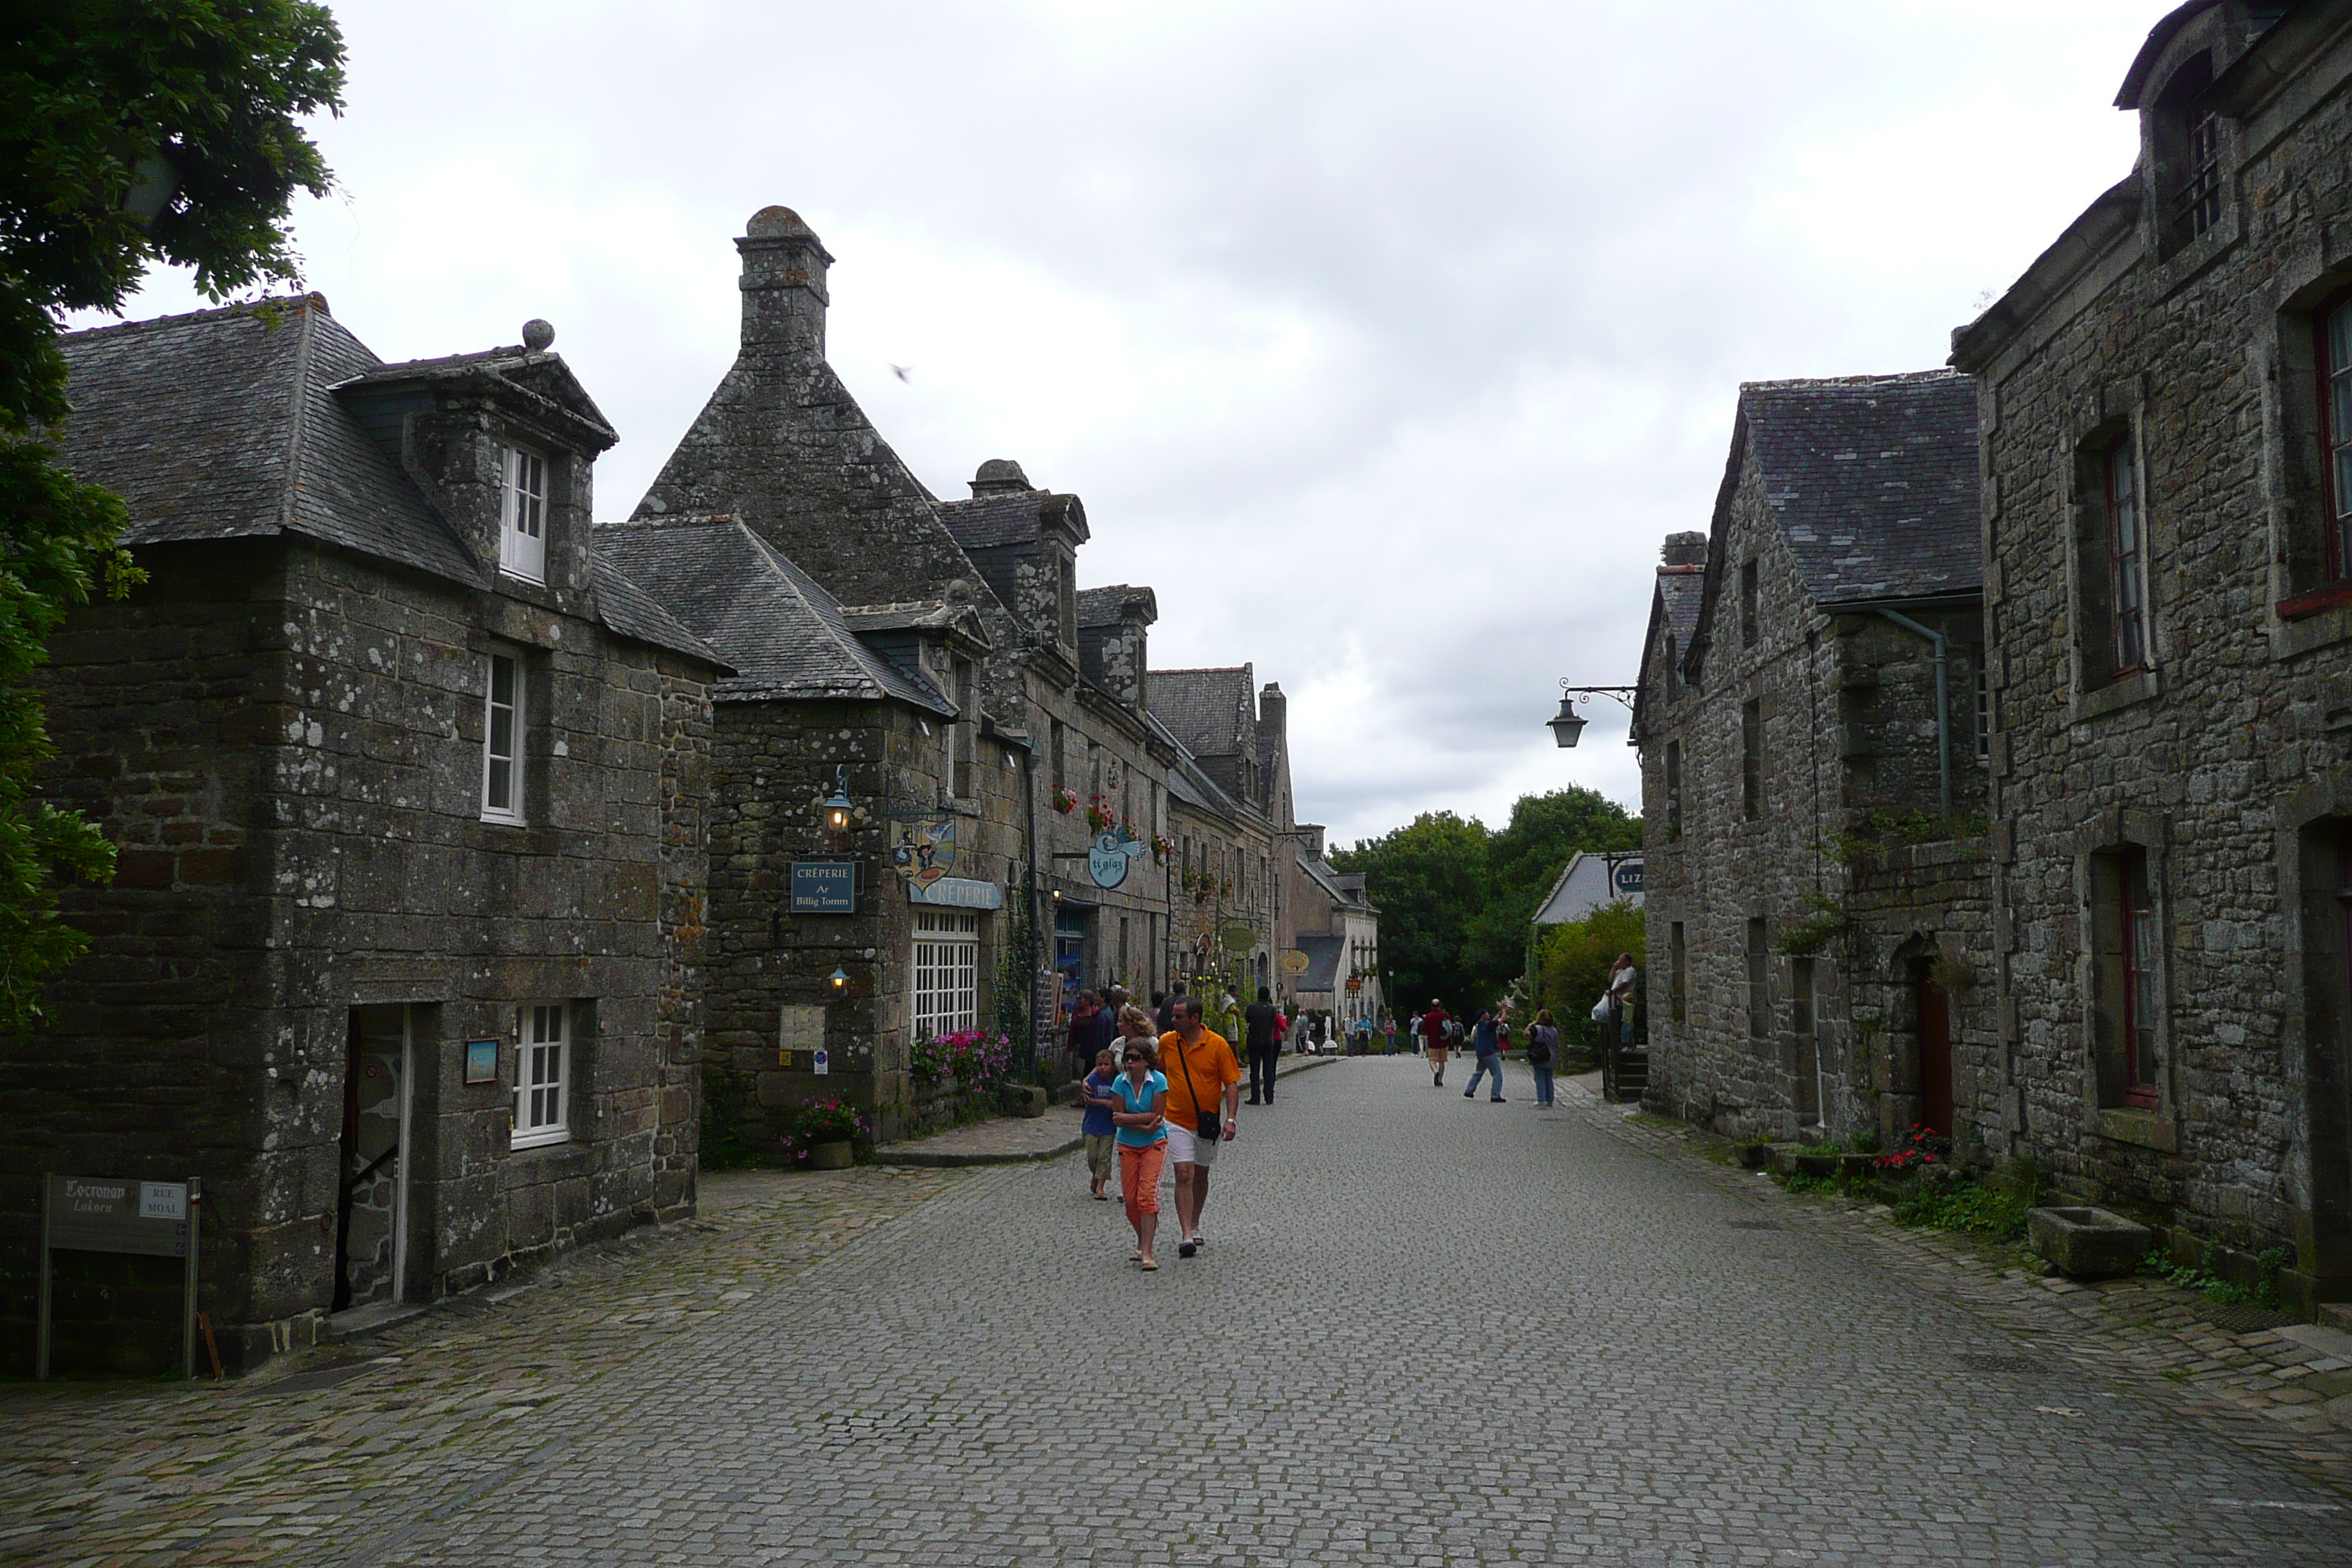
(1113, 853)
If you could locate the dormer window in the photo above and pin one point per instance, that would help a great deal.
(2199, 200)
(522, 522)
(2188, 135)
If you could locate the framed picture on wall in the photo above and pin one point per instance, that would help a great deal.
(481, 1061)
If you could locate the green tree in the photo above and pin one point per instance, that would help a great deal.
(1575, 965)
(1429, 878)
(1523, 861)
(132, 133)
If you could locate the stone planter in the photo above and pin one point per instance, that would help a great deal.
(1822, 1166)
(1857, 1167)
(832, 1156)
(1023, 1100)
(2087, 1242)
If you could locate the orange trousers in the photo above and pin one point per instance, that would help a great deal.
(1139, 1179)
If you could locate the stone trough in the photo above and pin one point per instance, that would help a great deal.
(2089, 1243)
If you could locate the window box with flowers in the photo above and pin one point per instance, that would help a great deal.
(1161, 848)
(1099, 814)
(1066, 801)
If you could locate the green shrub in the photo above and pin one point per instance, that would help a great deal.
(1963, 1206)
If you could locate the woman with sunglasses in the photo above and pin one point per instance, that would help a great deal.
(1141, 1121)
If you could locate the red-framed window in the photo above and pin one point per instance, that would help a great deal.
(2127, 557)
(2143, 992)
(2333, 327)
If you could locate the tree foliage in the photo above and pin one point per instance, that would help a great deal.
(1455, 897)
(132, 133)
(1573, 963)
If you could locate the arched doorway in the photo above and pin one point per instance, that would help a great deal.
(1932, 1007)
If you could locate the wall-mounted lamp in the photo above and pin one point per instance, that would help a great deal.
(1567, 723)
(840, 981)
(838, 808)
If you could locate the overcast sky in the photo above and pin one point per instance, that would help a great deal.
(1384, 341)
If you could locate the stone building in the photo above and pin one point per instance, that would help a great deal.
(408, 784)
(874, 703)
(1053, 712)
(1335, 927)
(2168, 584)
(1812, 774)
(1232, 809)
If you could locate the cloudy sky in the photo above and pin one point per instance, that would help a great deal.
(1385, 341)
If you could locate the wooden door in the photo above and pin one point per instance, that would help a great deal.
(1935, 1057)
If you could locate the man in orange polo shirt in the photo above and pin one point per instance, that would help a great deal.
(1202, 1079)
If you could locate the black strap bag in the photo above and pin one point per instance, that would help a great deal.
(1206, 1123)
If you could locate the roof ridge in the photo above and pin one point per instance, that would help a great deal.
(297, 427)
(1941, 373)
(287, 303)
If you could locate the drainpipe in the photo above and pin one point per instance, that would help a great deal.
(1943, 703)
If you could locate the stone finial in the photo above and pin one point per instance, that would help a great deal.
(998, 474)
(1684, 550)
(777, 223)
(959, 592)
(537, 334)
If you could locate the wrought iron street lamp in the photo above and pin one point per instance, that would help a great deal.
(1567, 723)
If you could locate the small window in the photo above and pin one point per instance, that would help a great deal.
(2334, 351)
(542, 1101)
(967, 731)
(947, 973)
(502, 732)
(2198, 206)
(1759, 982)
(1674, 789)
(1748, 594)
(1984, 710)
(2126, 558)
(1673, 680)
(1680, 971)
(522, 537)
(1068, 603)
(1751, 759)
(1801, 995)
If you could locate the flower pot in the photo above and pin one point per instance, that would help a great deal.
(832, 1156)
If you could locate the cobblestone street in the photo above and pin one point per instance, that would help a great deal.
(1425, 1331)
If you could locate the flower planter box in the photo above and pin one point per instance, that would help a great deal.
(1822, 1166)
(831, 1156)
(2088, 1243)
(1857, 1167)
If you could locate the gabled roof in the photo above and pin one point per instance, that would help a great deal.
(1873, 482)
(534, 377)
(224, 425)
(1322, 970)
(1108, 606)
(1205, 710)
(785, 637)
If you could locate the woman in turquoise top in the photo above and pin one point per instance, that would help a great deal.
(1142, 1091)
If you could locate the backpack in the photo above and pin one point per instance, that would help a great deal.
(1540, 1040)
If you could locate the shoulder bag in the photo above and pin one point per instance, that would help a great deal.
(1208, 1124)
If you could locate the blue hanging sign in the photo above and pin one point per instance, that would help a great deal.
(1113, 853)
(1629, 877)
(824, 887)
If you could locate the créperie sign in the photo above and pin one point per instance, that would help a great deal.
(825, 887)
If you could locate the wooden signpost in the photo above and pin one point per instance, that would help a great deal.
(110, 1214)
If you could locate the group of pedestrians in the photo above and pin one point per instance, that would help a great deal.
(1166, 1098)
(1441, 1034)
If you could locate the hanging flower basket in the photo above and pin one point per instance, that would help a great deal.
(1066, 801)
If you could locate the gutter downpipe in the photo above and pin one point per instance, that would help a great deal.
(1943, 702)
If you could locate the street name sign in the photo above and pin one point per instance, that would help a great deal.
(118, 1213)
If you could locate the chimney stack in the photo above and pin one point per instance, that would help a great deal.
(783, 284)
(1684, 550)
(1273, 711)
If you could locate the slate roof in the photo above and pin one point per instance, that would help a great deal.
(1681, 591)
(1007, 517)
(540, 377)
(1323, 954)
(222, 425)
(1874, 479)
(785, 637)
(1204, 709)
(629, 610)
(1108, 607)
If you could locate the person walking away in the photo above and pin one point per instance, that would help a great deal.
(1434, 1039)
(1543, 1050)
(1261, 1024)
(1142, 1123)
(1097, 1095)
(1203, 1077)
(1166, 1015)
(1083, 1044)
(1490, 1056)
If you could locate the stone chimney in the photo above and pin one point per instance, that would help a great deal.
(999, 476)
(1684, 550)
(783, 285)
(1273, 712)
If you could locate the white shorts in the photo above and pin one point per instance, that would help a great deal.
(1186, 1147)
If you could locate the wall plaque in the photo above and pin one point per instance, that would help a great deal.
(824, 887)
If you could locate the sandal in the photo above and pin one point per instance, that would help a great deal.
(1148, 1266)
(1135, 1257)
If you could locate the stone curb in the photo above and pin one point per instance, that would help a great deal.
(947, 1160)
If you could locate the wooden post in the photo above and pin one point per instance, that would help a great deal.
(41, 1344)
(188, 1284)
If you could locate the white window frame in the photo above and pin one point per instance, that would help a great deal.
(516, 715)
(522, 513)
(544, 1063)
(946, 973)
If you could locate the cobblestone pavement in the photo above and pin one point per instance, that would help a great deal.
(1426, 1330)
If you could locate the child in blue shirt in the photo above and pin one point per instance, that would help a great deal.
(1095, 1095)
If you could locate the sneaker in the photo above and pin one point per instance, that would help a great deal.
(1186, 1249)
(1468, 1093)
(1497, 1100)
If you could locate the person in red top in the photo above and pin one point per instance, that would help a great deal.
(1432, 1039)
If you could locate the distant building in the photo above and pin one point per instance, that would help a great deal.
(1230, 800)
(1336, 928)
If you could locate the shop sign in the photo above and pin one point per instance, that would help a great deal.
(1108, 860)
(925, 851)
(112, 1213)
(824, 887)
(1238, 938)
(1296, 963)
(956, 892)
(1628, 876)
